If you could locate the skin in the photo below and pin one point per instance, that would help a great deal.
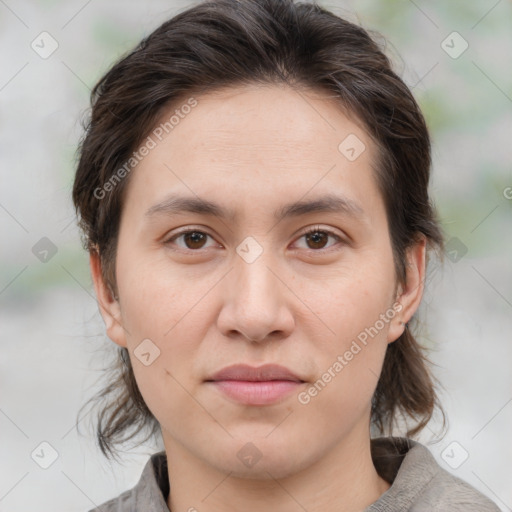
(299, 304)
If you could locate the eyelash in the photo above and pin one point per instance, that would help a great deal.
(315, 229)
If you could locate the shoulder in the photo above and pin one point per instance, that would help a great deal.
(419, 483)
(448, 492)
(123, 503)
(149, 494)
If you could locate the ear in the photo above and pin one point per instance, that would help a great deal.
(108, 305)
(410, 293)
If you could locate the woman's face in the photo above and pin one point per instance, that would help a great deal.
(250, 287)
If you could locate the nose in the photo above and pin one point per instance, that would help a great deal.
(257, 303)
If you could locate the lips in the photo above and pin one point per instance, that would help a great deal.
(268, 372)
(248, 385)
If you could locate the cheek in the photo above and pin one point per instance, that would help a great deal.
(341, 396)
(351, 308)
(356, 314)
(157, 298)
(173, 310)
(167, 381)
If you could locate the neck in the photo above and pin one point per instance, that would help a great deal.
(344, 480)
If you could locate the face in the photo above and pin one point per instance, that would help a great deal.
(288, 263)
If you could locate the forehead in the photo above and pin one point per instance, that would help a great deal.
(255, 143)
(262, 117)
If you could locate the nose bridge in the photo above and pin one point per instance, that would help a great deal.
(255, 304)
(255, 284)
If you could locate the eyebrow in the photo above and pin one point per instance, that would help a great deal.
(175, 204)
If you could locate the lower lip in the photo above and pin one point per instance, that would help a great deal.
(257, 393)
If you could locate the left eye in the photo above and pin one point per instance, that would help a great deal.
(318, 238)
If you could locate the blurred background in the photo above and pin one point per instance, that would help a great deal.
(456, 58)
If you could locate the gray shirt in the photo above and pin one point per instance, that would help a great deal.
(418, 483)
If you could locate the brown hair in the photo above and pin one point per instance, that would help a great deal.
(223, 43)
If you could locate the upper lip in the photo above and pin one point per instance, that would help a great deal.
(245, 372)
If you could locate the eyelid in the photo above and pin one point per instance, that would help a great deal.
(186, 229)
(319, 227)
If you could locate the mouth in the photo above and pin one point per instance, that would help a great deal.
(261, 385)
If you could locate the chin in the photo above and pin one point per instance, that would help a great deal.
(263, 458)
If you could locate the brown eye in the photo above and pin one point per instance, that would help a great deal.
(192, 240)
(318, 239)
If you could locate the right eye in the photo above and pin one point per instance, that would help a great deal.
(192, 239)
